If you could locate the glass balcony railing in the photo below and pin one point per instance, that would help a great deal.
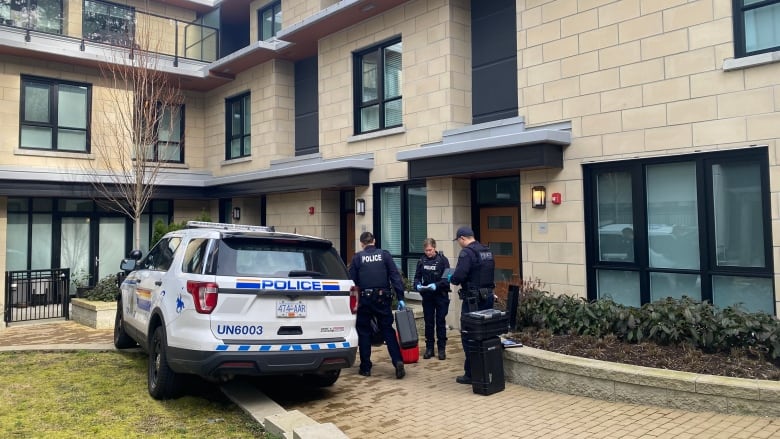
(115, 25)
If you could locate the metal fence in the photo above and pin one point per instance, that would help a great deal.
(37, 294)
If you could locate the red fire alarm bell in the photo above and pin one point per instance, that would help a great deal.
(556, 198)
(311, 210)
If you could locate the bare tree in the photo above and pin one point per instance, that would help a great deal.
(139, 111)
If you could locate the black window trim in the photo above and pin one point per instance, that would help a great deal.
(380, 92)
(738, 14)
(229, 135)
(157, 141)
(708, 266)
(272, 6)
(405, 255)
(53, 106)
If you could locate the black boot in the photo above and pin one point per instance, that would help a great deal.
(428, 353)
(442, 354)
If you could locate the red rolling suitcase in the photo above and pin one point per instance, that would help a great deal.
(410, 355)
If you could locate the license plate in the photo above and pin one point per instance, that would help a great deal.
(290, 309)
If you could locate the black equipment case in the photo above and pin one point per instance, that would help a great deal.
(481, 325)
(407, 328)
(487, 366)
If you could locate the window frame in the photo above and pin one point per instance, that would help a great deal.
(20, 8)
(407, 258)
(157, 141)
(708, 266)
(108, 36)
(276, 8)
(53, 123)
(381, 101)
(738, 13)
(245, 138)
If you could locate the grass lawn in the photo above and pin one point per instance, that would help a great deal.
(103, 395)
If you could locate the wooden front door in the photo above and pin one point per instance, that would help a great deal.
(500, 230)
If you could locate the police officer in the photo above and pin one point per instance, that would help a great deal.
(374, 271)
(474, 273)
(435, 296)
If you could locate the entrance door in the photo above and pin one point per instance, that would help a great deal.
(500, 230)
(91, 252)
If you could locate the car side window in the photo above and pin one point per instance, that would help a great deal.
(160, 257)
(195, 256)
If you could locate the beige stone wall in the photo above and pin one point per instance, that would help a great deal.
(187, 210)
(272, 100)
(290, 213)
(636, 78)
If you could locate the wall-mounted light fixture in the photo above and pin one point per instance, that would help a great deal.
(360, 206)
(236, 213)
(538, 197)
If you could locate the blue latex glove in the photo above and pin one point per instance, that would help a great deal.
(401, 305)
(449, 276)
(418, 287)
(431, 286)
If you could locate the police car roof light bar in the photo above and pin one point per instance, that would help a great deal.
(226, 226)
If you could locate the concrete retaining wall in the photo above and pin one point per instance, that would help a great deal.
(544, 370)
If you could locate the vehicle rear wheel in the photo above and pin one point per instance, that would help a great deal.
(163, 382)
(324, 379)
(121, 339)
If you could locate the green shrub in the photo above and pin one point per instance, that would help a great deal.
(666, 321)
(160, 228)
(106, 290)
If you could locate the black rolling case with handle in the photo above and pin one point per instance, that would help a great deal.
(407, 328)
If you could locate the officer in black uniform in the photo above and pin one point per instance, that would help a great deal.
(475, 275)
(434, 290)
(373, 271)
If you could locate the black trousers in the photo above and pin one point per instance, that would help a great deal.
(378, 306)
(435, 307)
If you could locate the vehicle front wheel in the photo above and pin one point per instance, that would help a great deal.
(163, 382)
(121, 339)
(324, 379)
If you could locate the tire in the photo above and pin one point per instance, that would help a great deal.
(163, 382)
(121, 339)
(324, 379)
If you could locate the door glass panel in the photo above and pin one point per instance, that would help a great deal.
(501, 248)
(41, 242)
(74, 250)
(739, 231)
(111, 240)
(503, 275)
(672, 216)
(16, 242)
(674, 285)
(499, 222)
(621, 286)
(615, 217)
(755, 294)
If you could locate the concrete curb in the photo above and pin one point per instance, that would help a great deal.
(550, 371)
(61, 347)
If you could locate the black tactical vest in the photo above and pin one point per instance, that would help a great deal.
(372, 271)
(431, 269)
(482, 266)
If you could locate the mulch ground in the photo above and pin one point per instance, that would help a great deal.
(739, 363)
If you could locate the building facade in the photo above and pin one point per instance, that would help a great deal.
(607, 148)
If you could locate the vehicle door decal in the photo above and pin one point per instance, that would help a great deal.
(143, 298)
(284, 347)
(179, 304)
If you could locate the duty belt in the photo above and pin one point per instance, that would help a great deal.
(368, 292)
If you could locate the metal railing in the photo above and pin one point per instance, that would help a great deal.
(37, 294)
(102, 25)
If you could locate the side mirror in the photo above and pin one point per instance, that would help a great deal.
(128, 265)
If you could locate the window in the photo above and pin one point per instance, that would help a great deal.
(378, 87)
(160, 257)
(55, 115)
(269, 20)
(109, 23)
(695, 226)
(756, 26)
(238, 125)
(403, 222)
(40, 15)
(169, 131)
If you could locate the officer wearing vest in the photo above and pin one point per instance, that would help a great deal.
(373, 272)
(435, 296)
(475, 275)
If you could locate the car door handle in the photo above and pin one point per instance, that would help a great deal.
(158, 282)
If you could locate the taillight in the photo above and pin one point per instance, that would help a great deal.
(353, 299)
(204, 294)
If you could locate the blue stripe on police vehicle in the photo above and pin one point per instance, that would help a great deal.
(283, 347)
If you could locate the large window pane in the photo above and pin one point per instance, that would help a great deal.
(672, 216)
(615, 216)
(390, 205)
(620, 286)
(418, 218)
(59, 123)
(393, 70)
(674, 285)
(69, 140)
(755, 294)
(739, 231)
(762, 28)
(36, 102)
(72, 106)
(41, 242)
(36, 137)
(16, 242)
(378, 102)
(370, 77)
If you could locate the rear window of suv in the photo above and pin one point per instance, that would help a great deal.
(264, 258)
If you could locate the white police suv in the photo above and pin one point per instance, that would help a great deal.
(220, 300)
